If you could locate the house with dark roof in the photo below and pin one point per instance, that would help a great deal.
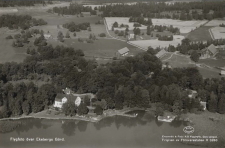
(160, 53)
(124, 51)
(209, 52)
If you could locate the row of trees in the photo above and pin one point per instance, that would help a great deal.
(72, 27)
(141, 20)
(165, 38)
(73, 9)
(4, 3)
(154, 10)
(24, 98)
(20, 21)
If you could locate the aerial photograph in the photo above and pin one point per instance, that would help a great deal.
(112, 73)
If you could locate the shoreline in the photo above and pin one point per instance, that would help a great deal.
(89, 118)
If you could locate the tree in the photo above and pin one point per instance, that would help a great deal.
(67, 35)
(26, 107)
(82, 109)
(212, 103)
(221, 104)
(69, 108)
(159, 111)
(194, 56)
(148, 30)
(98, 110)
(60, 36)
(115, 24)
(28, 50)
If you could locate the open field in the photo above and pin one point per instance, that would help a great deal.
(180, 61)
(200, 34)
(215, 23)
(7, 52)
(218, 32)
(8, 10)
(121, 20)
(156, 43)
(213, 62)
(184, 26)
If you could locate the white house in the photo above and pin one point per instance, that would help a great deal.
(47, 36)
(78, 101)
(124, 51)
(203, 104)
(63, 98)
(131, 36)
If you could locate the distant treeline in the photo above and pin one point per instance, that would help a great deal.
(13, 3)
(20, 21)
(73, 9)
(182, 11)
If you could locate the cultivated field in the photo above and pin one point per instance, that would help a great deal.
(121, 20)
(156, 43)
(200, 34)
(180, 61)
(215, 23)
(218, 32)
(184, 26)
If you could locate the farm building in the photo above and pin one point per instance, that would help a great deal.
(209, 52)
(222, 72)
(124, 51)
(130, 36)
(203, 104)
(160, 53)
(47, 36)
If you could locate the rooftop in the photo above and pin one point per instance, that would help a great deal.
(123, 50)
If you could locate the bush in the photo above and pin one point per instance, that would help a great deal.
(80, 40)
(102, 35)
(98, 110)
(89, 41)
(9, 37)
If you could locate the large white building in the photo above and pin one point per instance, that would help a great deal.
(63, 98)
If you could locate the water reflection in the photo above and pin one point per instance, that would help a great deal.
(28, 124)
(69, 126)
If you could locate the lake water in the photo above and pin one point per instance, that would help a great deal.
(112, 132)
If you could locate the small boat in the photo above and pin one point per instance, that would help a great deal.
(166, 118)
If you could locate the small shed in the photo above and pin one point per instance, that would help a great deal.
(222, 72)
(124, 51)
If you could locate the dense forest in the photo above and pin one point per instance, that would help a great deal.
(20, 21)
(182, 11)
(133, 82)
